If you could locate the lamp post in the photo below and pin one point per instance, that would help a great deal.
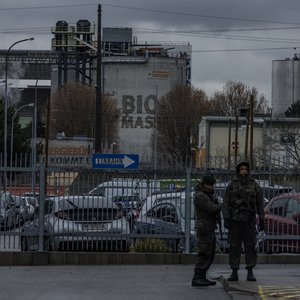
(12, 135)
(6, 107)
(34, 138)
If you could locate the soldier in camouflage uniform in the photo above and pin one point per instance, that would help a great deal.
(243, 199)
(207, 211)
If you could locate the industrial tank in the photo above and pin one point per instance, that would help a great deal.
(61, 34)
(285, 84)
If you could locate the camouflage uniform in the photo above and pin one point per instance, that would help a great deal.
(243, 199)
(207, 210)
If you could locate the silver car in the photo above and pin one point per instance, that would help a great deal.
(9, 217)
(24, 209)
(162, 216)
(78, 223)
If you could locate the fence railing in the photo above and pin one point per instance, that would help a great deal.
(143, 210)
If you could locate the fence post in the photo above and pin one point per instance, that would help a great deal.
(187, 210)
(41, 208)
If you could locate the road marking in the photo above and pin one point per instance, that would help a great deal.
(279, 292)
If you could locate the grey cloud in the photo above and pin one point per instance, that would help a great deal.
(208, 69)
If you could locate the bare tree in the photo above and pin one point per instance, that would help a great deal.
(178, 115)
(73, 112)
(236, 95)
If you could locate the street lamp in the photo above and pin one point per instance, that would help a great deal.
(6, 107)
(34, 138)
(12, 135)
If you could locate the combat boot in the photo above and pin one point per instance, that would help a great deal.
(199, 280)
(250, 276)
(234, 275)
(210, 282)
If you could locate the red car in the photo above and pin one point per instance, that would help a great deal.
(282, 224)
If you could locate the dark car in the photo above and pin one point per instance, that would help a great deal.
(282, 224)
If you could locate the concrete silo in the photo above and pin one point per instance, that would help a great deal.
(285, 84)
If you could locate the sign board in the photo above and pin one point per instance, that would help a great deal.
(115, 161)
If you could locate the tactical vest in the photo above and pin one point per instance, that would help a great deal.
(243, 201)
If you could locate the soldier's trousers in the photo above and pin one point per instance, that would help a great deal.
(242, 233)
(206, 244)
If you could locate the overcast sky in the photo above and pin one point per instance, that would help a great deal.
(231, 40)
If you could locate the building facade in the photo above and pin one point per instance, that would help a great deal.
(223, 141)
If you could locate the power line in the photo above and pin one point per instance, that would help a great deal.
(46, 30)
(224, 36)
(151, 10)
(245, 49)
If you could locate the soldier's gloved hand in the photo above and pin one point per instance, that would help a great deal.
(261, 225)
(227, 223)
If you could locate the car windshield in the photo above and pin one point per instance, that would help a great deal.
(180, 203)
(99, 191)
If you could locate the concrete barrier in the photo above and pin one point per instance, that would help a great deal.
(93, 258)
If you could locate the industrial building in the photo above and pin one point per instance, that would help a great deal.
(134, 74)
(223, 141)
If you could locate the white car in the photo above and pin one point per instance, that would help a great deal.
(78, 223)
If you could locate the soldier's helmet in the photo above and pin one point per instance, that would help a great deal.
(208, 179)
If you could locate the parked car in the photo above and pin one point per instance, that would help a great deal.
(282, 224)
(78, 223)
(9, 217)
(24, 208)
(32, 199)
(128, 203)
(273, 190)
(162, 216)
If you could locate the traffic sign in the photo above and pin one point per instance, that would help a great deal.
(115, 161)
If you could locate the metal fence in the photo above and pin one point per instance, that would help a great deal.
(142, 211)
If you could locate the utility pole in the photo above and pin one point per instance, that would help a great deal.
(229, 145)
(47, 143)
(251, 130)
(247, 135)
(98, 113)
(236, 138)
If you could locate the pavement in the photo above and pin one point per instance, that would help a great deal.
(278, 276)
(144, 282)
(274, 281)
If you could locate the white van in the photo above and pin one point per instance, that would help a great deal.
(125, 187)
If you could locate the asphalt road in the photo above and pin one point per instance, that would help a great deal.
(143, 282)
(103, 282)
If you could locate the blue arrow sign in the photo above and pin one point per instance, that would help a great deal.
(115, 161)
